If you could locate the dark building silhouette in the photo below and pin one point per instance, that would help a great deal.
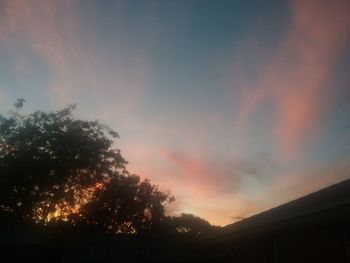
(314, 228)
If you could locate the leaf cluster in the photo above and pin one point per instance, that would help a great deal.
(54, 166)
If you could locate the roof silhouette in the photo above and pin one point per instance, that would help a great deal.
(333, 198)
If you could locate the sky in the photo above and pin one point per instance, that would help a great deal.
(233, 106)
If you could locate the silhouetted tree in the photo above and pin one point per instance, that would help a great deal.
(127, 205)
(190, 225)
(55, 167)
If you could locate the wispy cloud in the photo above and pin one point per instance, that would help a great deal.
(295, 80)
(190, 148)
(57, 33)
(225, 187)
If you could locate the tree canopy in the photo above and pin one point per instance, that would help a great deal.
(55, 167)
(190, 225)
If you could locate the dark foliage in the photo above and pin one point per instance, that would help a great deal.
(126, 205)
(190, 225)
(54, 167)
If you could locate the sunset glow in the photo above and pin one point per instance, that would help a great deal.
(233, 106)
(48, 211)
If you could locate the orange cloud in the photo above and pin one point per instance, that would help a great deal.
(202, 177)
(215, 188)
(295, 79)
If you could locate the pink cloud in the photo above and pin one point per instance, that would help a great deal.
(295, 78)
(190, 178)
(224, 190)
(215, 188)
(201, 176)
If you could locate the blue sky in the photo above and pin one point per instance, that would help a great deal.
(234, 106)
